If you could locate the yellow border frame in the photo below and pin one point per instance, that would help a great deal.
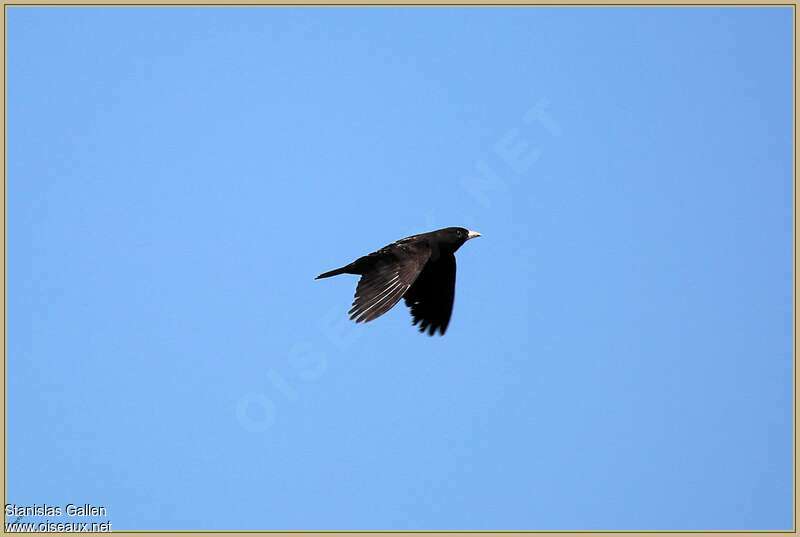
(465, 3)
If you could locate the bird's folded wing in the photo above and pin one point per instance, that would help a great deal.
(431, 297)
(392, 271)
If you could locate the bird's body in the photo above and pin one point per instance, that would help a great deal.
(421, 269)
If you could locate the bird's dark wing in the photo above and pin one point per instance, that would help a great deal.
(431, 297)
(386, 275)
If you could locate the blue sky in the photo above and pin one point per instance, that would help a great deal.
(620, 351)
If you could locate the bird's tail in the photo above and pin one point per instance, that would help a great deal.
(334, 272)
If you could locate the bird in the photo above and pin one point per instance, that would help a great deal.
(421, 269)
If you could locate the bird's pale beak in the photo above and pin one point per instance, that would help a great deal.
(472, 234)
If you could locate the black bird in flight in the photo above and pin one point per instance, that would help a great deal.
(421, 269)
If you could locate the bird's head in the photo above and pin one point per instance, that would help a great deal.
(456, 236)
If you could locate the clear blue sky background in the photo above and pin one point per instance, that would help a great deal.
(620, 351)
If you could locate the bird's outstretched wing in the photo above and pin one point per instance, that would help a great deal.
(386, 275)
(431, 296)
